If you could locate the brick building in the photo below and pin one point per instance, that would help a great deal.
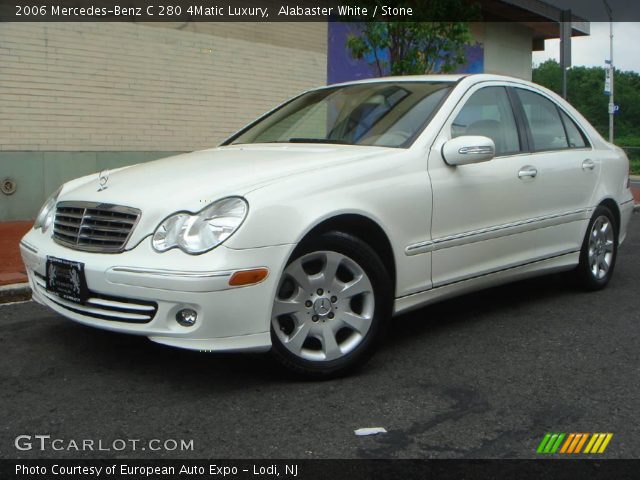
(79, 97)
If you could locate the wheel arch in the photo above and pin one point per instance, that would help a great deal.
(612, 205)
(365, 229)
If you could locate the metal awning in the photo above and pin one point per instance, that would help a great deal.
(541, 17)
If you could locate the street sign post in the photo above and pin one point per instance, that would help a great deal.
(607, 80)
(608, 83)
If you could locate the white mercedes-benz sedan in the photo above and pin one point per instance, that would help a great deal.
(308, 230)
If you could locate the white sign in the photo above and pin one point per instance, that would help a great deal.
(607, 81)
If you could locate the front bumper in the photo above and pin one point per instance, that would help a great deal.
(140, 291)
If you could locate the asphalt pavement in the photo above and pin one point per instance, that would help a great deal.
(482, 376)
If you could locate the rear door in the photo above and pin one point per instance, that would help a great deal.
(566, 172)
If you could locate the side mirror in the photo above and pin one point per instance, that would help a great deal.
(468, 149)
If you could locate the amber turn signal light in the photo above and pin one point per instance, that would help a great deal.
(248, 277)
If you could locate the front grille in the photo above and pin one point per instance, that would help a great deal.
(94, 227)
(103, 307)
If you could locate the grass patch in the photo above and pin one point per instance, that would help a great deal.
(632, 153)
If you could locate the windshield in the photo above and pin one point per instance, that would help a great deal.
(389, 114)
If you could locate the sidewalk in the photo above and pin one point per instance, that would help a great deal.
(11, 267)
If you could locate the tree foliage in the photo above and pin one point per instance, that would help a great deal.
(406, 48)
(585, 91)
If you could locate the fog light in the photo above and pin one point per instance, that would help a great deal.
(186, 317)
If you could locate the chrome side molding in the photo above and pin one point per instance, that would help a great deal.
(496, 231)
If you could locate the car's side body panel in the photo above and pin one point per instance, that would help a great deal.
(492, 279)
(516, 221)
(474, 230)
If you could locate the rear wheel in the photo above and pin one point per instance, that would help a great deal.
(331, 302)
(599, 250)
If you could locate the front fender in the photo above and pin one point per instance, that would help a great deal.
(394, 192)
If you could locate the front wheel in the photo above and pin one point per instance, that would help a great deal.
(331, 302)
(599, 250)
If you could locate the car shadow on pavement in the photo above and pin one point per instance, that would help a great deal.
(511, 299)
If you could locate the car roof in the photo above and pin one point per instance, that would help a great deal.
(476, 77)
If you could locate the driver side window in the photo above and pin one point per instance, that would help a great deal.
(488, 113)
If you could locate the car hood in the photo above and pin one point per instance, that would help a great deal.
(193, 180)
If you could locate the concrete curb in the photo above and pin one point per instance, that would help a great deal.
(15, 293)
(635, 178)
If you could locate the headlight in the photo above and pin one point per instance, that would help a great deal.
(202, 231)
(47, 212)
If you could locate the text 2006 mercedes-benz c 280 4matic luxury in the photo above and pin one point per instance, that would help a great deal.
(308, 230)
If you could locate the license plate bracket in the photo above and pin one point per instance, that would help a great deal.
(66, 279)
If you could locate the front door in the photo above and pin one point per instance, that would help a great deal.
(480, 210)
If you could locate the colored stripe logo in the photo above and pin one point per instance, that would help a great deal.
(573, 443)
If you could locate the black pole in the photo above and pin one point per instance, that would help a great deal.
(565, 47)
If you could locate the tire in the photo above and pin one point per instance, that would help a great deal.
(599, 251)
(332, 303)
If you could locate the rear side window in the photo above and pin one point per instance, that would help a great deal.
(547, 129)
(488, 113)
(576, 137)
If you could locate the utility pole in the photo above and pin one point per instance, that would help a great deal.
(610, 71)
(565, 47)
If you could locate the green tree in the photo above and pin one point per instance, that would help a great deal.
(406, 48)
(585, 91)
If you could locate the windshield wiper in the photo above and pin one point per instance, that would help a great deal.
(317, 140)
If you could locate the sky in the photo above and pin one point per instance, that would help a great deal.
(591, 51)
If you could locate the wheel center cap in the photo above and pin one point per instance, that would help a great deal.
(322, 306)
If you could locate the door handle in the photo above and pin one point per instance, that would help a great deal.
(527, 172)
(588, 164)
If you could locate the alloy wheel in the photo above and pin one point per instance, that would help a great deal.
(601, 247)
(324, 306)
